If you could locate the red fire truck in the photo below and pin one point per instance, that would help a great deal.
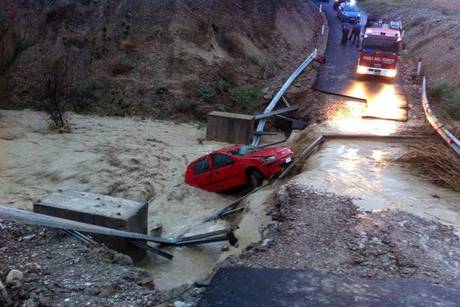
(380, 49)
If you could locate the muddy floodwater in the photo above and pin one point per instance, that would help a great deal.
(366, 171)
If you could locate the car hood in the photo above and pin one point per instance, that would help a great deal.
(351, 14)
(279, 152)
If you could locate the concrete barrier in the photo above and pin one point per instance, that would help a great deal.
(101, 210)
(230, 127)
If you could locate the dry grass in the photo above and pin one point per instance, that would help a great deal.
(437, 163)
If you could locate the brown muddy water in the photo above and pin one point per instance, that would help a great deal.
(136, 159)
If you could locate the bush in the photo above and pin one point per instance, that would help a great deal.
(207, 90)
(442, 90)
(247, 97)
(223, 86)
(449, 96)
(451, 108)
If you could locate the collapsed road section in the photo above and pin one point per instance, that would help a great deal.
(352, 209)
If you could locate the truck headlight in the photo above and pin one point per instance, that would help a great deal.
(361, 69)
(392, 73)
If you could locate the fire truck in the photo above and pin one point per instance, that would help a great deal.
(380, 48)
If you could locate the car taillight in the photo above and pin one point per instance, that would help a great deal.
(269, 160)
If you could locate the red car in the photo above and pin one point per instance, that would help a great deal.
(235, 166)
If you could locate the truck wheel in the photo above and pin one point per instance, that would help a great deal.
(255, 179)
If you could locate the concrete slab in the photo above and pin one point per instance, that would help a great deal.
(230, 127)
(243, 286)
(99, 210)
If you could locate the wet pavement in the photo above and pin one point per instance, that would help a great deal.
(284, 287)
(382, 98)
(366, 171)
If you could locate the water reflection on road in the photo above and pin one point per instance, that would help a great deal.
(366, 171)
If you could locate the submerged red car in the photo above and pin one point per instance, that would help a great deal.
(236, 166)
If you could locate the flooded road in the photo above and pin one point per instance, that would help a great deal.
(366, 172)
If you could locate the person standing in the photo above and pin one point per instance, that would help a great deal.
(346, 29)
(356, 33)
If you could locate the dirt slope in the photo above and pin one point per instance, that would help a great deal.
(156, 57)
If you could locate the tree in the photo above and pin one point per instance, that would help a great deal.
(59, 79)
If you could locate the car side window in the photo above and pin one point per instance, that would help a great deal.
(201, 166)
(219, 160)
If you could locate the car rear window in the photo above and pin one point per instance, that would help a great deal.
(219, 160)
(201, 166)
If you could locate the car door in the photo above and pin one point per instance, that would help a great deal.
(202, 175)
(225, 172)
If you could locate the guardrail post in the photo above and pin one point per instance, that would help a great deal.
(323, 29)
(419, 68)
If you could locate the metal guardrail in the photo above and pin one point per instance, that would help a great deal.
(261, 125)
(448, 136)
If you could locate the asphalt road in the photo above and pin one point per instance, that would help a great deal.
(385, 98)
(243, 286)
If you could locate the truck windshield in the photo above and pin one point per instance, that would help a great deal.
(373, 44)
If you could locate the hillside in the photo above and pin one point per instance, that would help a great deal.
(152, 58)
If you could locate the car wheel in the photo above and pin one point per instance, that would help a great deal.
(255, 179)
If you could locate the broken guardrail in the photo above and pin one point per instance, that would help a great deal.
(440, 127)
(279, 95)
(73, 228)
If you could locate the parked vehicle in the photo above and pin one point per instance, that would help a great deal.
(337, 3)
(380, 49)
(236, 166)
(349, 12)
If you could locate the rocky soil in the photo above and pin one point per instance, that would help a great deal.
(43, 267)
(325, 232)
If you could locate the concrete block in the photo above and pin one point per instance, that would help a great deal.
(96, 209)
(230, 127)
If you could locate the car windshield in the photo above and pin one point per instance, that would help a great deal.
(351, 9)
(243, 150)
(381, 45)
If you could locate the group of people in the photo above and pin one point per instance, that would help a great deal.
(351, 31)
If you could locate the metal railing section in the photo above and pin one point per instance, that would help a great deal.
(448, 136)
(261, 125)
